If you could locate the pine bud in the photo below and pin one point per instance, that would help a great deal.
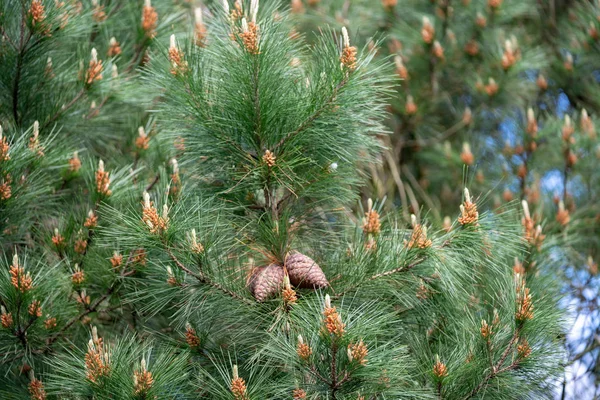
(492, 87)
(532, 126)
(94, 72)
(196, 247)
(480, 20)
(410, 107)
(199, 27)
(401, 68)
(541, 82)
(142, 141)
(467, 117)
(567, 129)
(562, 215)
(149, 19)
(439, 369)
(238, 386)
(438, 50)
(114, 48)
(427, 30)
(568, 64)
(467, 156)
(4, 147)
(348, 57)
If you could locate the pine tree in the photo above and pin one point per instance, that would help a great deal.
(218, 246)
(525, 134)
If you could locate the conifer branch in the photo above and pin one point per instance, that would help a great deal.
(314, 115)
(497, 368)
(202, 278)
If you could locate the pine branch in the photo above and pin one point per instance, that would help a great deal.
(202, 278)
(65, 108)
(315, 115)
(403, 268)
(496, 369)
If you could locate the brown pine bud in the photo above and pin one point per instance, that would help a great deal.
(142, 380)
(518, 267)
(562, 215)
(199, 28)
(37, 13)
(102, 180)
(142, 140)
(78, 276)
(269, 158)
(18, 277)
(6, 319)
(91, 221)
(507, 195)
(288, 294)
(238, 386)
(57, 239)
(524, 303)
(427, 31)
(467, 117)
(371, 221)
(472, 48)
(480, 20)
(297, 7)
(116, 260)
(494, 4)
(332, 322)
(149, 19)
(389, 5)
(440, 371)
(94, 72)
(357, 352)
(523, 349)
(467, 156)
(4, 147)
(299, 394)
(114, 47)
(98, 13)
(74, 162)
(36, 389)
(303, 350)
(469, 214)
(35, 309)
(486, 329)
(249, 36)
(418, 238)
(410, 107)
(541, 82)
(348, 57)
(492, 87)
(50, 323)
(191, 337)
(568, 63)
(401, 69)
(437, 50)
(592, 266)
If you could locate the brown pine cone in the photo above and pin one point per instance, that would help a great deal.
(304, 272)
(265, 281)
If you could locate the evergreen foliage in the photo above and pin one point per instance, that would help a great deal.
(184, 214)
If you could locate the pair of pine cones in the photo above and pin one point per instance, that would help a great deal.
(302, 270)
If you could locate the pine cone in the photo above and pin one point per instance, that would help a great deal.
(304, 272)
(266, 281)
